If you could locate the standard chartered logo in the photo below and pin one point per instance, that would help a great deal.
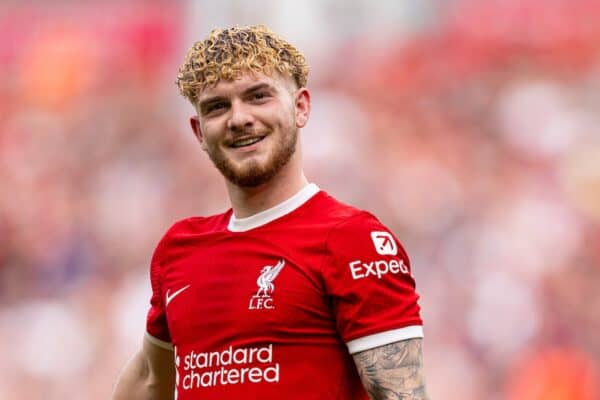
(228, 367)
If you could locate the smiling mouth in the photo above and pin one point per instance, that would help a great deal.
(246, 142)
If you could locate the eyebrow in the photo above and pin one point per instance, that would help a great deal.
(214, 99)
(210, 100)
(259, 86)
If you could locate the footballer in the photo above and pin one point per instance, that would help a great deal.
(290, 294)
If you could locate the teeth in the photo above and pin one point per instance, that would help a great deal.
(246, 142)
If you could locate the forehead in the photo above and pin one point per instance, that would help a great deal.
(246, 81)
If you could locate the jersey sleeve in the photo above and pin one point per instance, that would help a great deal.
(368, 277)
(157, 330)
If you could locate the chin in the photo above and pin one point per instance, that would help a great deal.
(256, 169)
(250, 180)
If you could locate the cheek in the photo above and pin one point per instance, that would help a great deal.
(286, 118)
(278, 113)
(210, 133)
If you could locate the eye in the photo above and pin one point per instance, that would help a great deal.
(215, 107)
(259, 95)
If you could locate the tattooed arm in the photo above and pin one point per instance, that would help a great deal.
(393, 371)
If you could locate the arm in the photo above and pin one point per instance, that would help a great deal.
(393, 371)
(149, 375)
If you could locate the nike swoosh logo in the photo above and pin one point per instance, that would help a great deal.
(172, 296)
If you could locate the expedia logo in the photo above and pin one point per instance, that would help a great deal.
(379, 269)
(384, 243)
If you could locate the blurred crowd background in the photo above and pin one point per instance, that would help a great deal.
(471, 128)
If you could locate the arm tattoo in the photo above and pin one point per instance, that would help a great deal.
(393, 371)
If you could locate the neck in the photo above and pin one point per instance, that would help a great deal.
(249, 201)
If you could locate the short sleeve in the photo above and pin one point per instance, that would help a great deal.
(368, 277)
(157, 330)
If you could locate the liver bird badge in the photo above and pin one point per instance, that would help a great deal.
(266, 278)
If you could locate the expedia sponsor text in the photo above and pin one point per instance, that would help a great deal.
(360, 269)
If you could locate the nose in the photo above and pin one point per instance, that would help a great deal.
(240, 118)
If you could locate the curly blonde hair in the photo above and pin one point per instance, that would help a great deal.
(227, 53)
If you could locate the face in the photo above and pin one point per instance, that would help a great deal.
(249, 126)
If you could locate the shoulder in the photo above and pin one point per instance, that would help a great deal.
(363, 231)
(333, 211)
(355, 231)
(199, 224)
(184, 230)
(346, 219)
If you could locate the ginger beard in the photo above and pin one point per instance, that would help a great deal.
(252, 173)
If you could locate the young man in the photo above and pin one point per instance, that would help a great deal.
(290, 294)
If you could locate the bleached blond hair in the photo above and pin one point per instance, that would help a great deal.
(227, 53)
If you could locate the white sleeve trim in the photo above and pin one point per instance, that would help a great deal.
(383, 338)
(158, 342)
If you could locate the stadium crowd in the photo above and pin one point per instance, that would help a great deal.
(478, 142)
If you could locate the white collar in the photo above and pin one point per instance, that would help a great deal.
(271, 214)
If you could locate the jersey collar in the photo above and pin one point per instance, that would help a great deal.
(271, 214)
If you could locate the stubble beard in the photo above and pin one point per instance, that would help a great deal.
(252, 173)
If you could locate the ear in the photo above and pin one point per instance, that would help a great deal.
(197, 131)
(302, 103)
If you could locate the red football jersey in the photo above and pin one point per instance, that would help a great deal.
(272, 306)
